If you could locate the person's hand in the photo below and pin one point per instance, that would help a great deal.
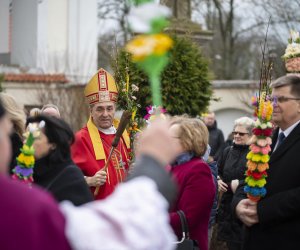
(156, 141)
(234, 184)
(222, 186)
(98, 179)
(246, 211)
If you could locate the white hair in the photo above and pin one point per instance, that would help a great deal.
(246, 122)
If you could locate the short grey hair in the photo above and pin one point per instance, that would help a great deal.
(50, 105)
(245, 122)
(292, 80)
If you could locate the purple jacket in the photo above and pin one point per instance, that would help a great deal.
(30, 219)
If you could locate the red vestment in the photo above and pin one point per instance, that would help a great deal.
(84, 157)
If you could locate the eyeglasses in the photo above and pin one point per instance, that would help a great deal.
(282, 99)
(239, 133)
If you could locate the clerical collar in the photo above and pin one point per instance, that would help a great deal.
(108, 131)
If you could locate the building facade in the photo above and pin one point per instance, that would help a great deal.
(50, 37)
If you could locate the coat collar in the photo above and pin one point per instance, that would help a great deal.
(293, 137)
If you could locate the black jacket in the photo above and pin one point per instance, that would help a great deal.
(279, 210)
(216, 141)
(232, 166)
(64, 180)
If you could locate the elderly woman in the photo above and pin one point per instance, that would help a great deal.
(54, 169)
(232, 167)
(194, 179)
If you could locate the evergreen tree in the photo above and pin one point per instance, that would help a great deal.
(185, 81)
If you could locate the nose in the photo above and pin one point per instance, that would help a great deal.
(105, 112)
(274, 103)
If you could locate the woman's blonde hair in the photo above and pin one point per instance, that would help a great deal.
(193, 134)
(14, 112)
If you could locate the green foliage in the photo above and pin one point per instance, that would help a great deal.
(185, 82)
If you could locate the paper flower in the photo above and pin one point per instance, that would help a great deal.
(149, 51)
(146, 45)
(293, 48)
(142, 18)
(152, 112)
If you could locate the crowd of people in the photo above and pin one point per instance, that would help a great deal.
(84, 198)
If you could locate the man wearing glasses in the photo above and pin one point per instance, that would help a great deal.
(274, 222)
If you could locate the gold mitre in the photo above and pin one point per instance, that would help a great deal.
(101, 88)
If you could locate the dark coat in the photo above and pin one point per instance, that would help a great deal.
(64, 180)
(232, 166)
(216, 141)
(279, 210)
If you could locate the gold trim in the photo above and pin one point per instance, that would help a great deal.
(96, 140)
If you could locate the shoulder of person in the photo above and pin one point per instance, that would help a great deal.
(72, 170)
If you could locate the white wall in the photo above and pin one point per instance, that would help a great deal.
(226, 117)
(232, 105)
(57, 27)
(4, 26)
(82, 40)
(42, 36)
(56, 36)
(24, 33)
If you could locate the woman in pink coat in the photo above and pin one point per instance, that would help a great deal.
(194, 179)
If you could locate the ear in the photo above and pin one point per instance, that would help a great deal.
(53, 146)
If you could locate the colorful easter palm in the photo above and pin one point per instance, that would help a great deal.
(258, 157)
(24, 170)
(149, 50)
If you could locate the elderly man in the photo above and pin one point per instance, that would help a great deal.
(273, 222)
(216, 137)
(50, 110)
(93, 142)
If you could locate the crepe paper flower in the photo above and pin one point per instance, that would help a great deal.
(24, 170)
(262, 132)
(150, 50)
(146, 45)
(251, 165)
(152, 110)
(256, 175)
(262, 167)
(293, 48)
(153, 113)
(143, 18)
(263, 150)
(255, 191)
(255, 183)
